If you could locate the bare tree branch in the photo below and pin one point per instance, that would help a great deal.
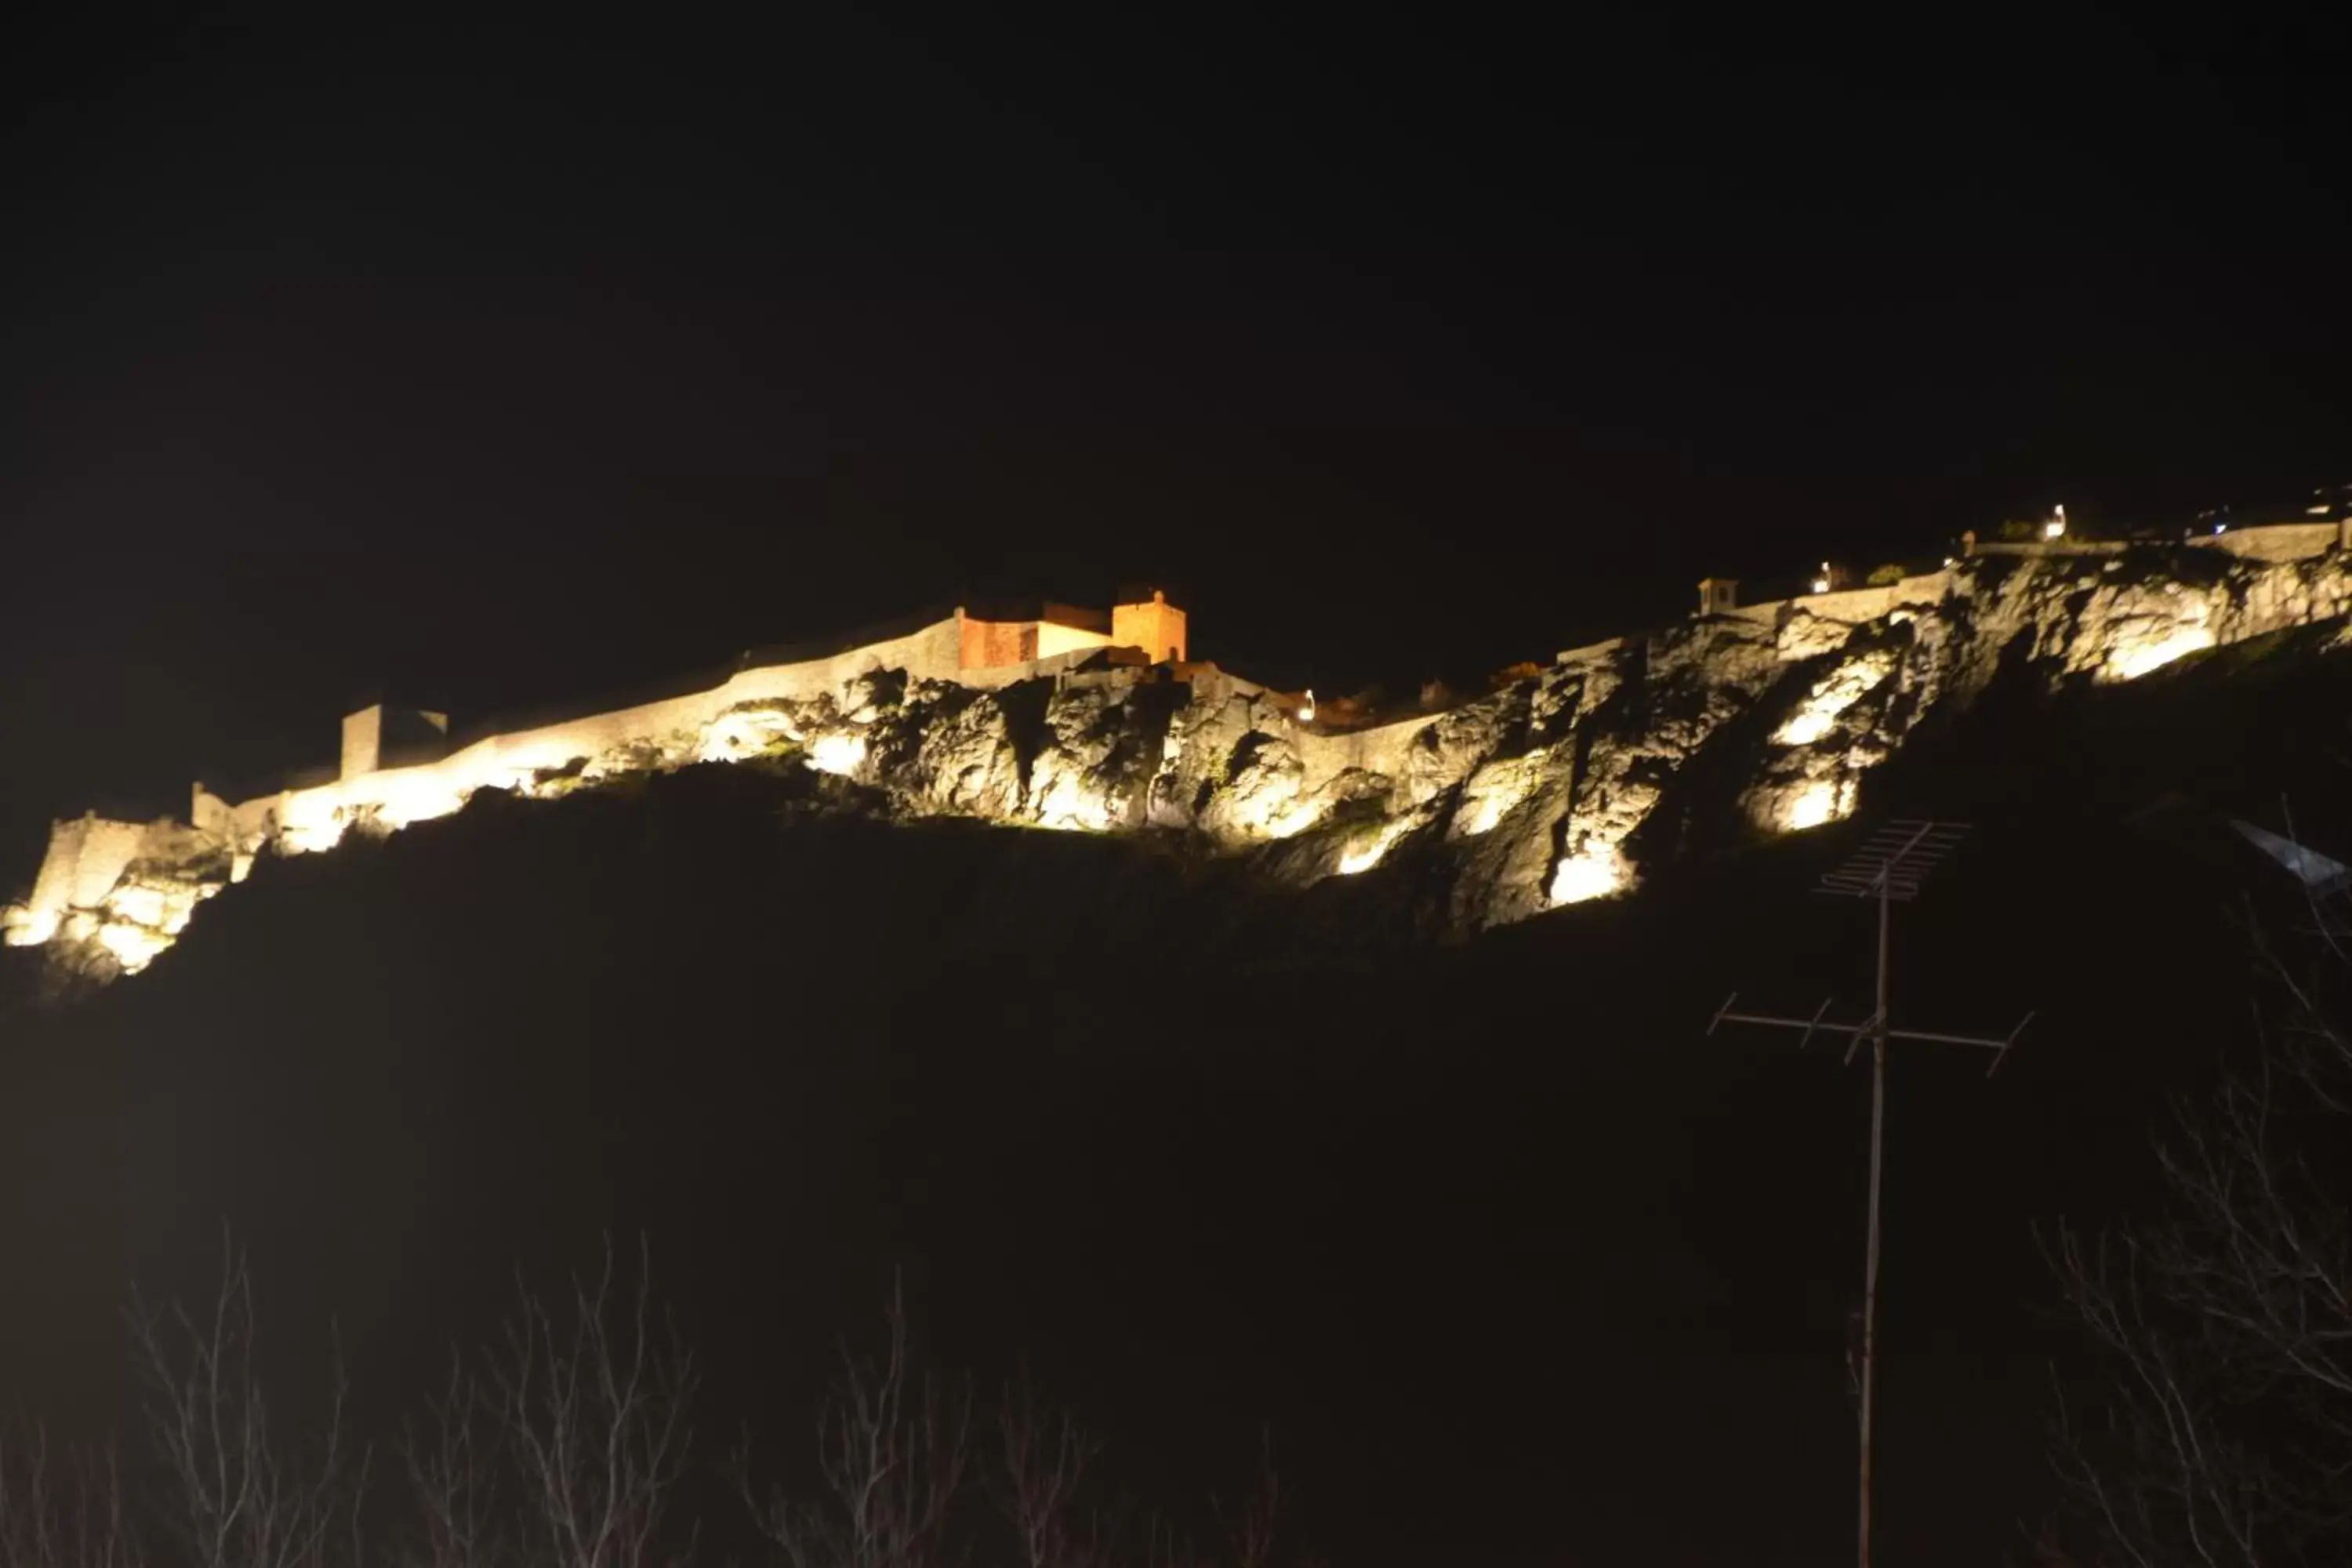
(239, 1500)
(593, 1408)
(1047, 1456)
(68, 1514)
(892, 1447)
(2225, 1434)
(453, 1457)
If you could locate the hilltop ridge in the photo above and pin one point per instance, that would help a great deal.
(1560, 786)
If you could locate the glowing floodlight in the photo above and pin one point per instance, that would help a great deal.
(837, 754)
(2131, 662)
(21, 925)
(1830, 697)
(1808, 724)
(1367, 853)
(1592, 874)
(1491, 794)
(1815, 804)
(1307, 708)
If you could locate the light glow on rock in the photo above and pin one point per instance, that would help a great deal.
(837, 754)
(1295, 818)
(1830, 697)
(24, 926)
(2129, 661)
(133, 946)
(417, 796)
(311, 826)
(1491, 794)
(1818, 803)
(1366, 852)
(1066, 803)
(1590, 874)
(1809, 722)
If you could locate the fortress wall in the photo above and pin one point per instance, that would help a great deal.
(2275, 544)
(86, 858)
(315, 818)
(2049, 548)
(1028, 669)
(103, 850)
(1857, 606)
(209, 812)
(987, 644)
(1593, 653)
(2272, 543)
(1054, 638)
(933, 653)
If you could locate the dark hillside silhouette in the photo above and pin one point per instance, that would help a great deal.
(1489, 1235)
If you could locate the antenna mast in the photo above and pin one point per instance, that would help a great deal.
(1891, 867)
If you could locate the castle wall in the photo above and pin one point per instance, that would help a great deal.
(1857, 606)
(378, 736)
(987, 644)
(992, 645)
(82, 883)
(2272, 544)
(2276, 542)
(1848, 606)
(1052, 638)
(394, 797)
(85, 860)
(362, 742)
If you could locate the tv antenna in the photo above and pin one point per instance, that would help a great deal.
(1891, 867)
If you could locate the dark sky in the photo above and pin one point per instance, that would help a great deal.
(501, 367)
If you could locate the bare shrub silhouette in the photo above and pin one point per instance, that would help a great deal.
(893, 1444)
(62, 1510)
(2223, 1436)
(566, 1443)
(241, 1494)
(591, 1404)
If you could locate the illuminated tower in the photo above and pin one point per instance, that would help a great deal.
(1157, 627)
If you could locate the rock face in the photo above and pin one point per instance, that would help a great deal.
(1547, 791)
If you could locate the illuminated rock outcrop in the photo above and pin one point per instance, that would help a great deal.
(1548, 792)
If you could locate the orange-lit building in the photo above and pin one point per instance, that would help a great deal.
(991, 639)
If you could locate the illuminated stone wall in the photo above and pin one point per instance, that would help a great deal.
(1528, 798)
(987, 644)
(379, 736)
(2278, 541)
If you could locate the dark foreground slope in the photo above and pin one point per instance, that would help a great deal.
(1520, 1268)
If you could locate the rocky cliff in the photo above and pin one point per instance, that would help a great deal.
(1562, 788)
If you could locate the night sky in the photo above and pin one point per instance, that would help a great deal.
(488, 367)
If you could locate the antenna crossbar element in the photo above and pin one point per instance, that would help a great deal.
(1867, 1029)
(1894, 861)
